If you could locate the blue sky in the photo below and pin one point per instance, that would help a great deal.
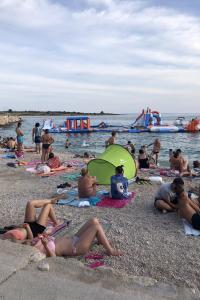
(93, 55)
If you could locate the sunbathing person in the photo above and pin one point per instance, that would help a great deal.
(166, 198)
(32, 225)
(119, 184)
(86, 185)
(79, 244)
(188, 209)
(53, 162)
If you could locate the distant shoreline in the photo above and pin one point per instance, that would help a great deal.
(55, 113)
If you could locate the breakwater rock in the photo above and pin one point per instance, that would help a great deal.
(7, 119)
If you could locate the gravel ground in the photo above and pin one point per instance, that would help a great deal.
(154, 244)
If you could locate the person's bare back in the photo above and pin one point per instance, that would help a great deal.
(86, 186)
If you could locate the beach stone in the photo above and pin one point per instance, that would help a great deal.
(43, 266)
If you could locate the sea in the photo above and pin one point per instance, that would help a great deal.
(94, 143)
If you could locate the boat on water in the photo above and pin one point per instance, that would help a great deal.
(146, 121)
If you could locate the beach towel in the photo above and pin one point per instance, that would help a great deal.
(73, 199)
(115, 203)
(189, 230)
(54, 230)
(72, 177)
(7, 156)
(82, 202)
(74, 163)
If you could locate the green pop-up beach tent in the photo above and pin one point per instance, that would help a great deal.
(103, 167)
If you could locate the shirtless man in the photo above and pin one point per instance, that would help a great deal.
(111, 140)
(86, 185)
(188, 209)
(156, 149)
(11, 144)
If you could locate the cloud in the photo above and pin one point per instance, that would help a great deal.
(98, 50)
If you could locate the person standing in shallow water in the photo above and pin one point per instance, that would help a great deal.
(36, 136)
(46, 140)
(20, 137)
(111, 140)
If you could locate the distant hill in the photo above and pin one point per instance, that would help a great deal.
(50, 113)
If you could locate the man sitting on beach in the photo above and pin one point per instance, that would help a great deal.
(165, 198)
(11, 143)
(86, 185)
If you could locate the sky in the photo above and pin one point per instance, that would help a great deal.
(100, 55)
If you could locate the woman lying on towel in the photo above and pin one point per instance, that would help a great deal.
(188, 209)
(33, 226)
(79, 244)
(53, 164)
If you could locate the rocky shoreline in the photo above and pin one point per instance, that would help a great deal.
(8, 119)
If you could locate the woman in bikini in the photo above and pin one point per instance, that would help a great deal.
(79, 244)
(46, 140)
(33, 226)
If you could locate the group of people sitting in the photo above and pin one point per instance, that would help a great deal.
(173, 197)
(119, 184)
(32, 231)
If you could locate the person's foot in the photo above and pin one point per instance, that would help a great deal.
(55, 199)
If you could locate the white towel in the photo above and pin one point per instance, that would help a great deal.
(189, 230)
(84, 203)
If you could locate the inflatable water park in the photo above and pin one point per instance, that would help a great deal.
(147, 121)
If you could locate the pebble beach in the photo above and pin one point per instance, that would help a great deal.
(154, 244)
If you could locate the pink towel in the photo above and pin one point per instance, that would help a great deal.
(116, 203)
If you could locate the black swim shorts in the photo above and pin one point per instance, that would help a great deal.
(37, 139)
(196, 221)
(46, 146)
(36, 228)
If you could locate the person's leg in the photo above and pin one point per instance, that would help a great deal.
(46, 213)
(30, 214)
(46, 155)
(84, 227)
(43, 155)
(156, 159)
(162, 205)
(94, 230)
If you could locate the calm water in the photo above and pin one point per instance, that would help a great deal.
(188, 142)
